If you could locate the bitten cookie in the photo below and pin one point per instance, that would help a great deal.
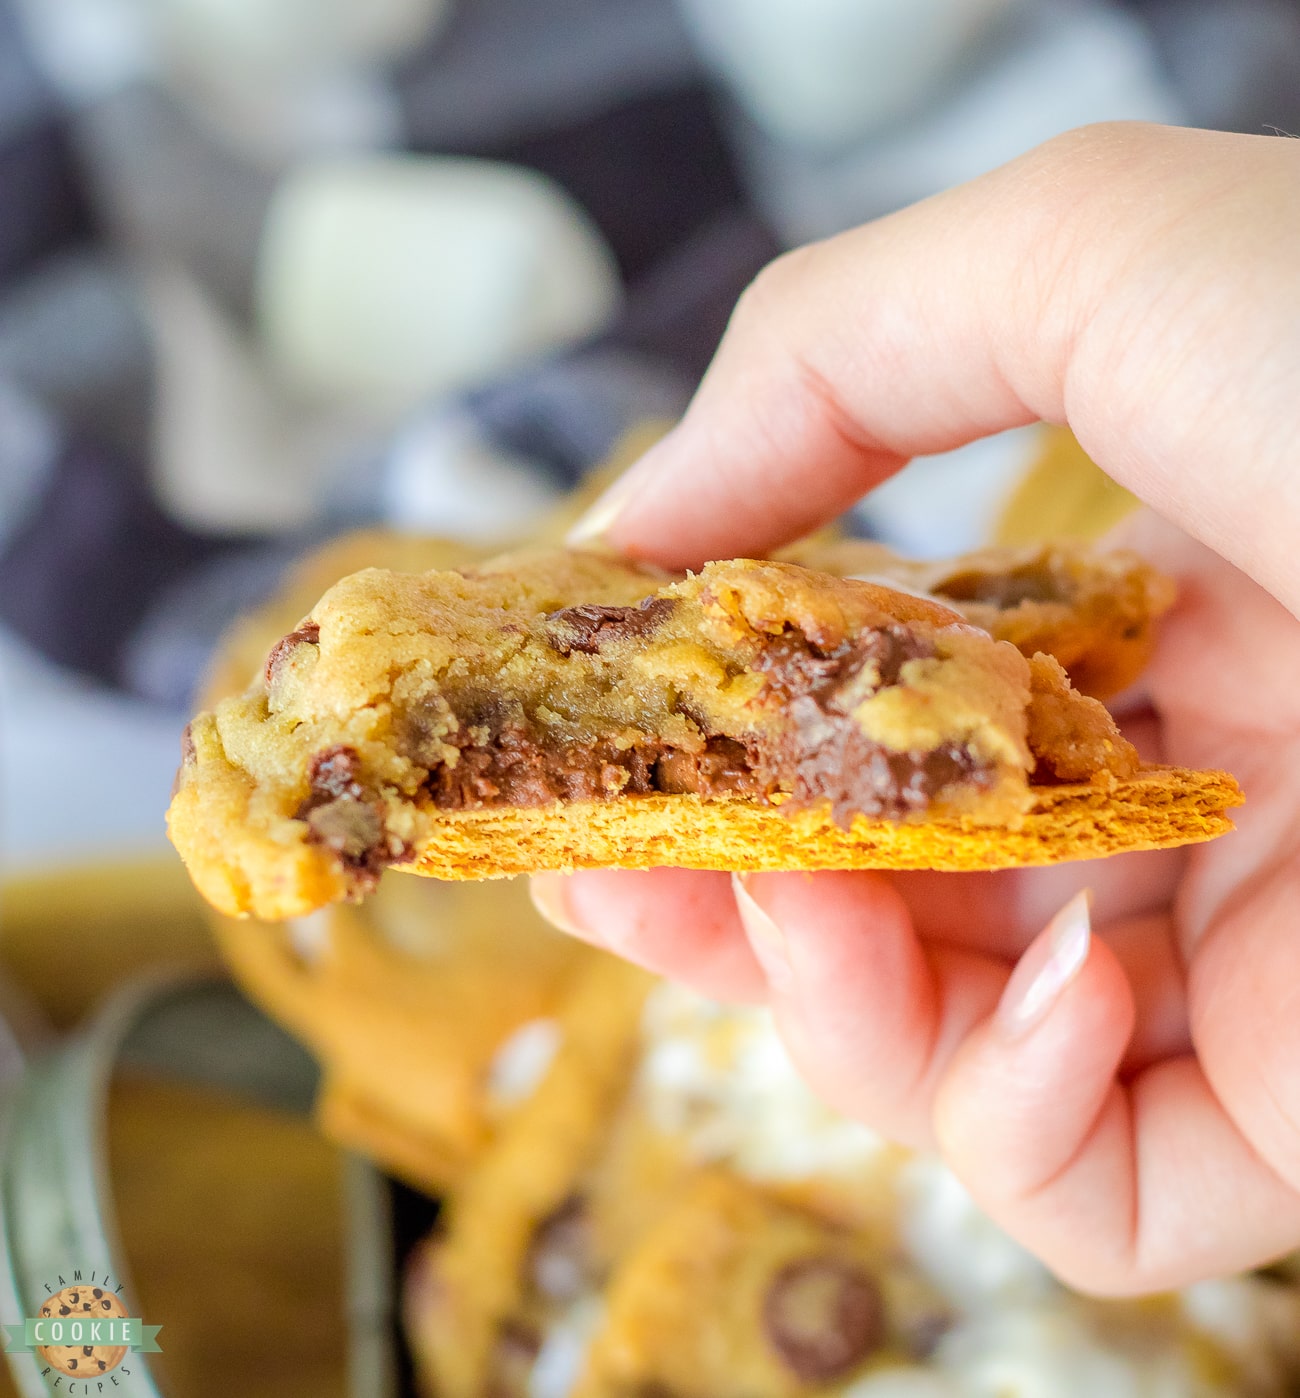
(555, 711)
(430, 1004)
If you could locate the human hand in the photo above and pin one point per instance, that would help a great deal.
(1125, 1102)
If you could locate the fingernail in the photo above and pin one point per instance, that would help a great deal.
(766, 938)
(596, 523)
(1054, 958)
(550, 895)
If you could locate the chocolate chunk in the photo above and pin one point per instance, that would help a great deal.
(589, 628)
(560, 1259)
(1004, 590)
(351, 828)
(189, 756)
(724, 768)
(835, 761)
(308, 634)
(513, 1356)
(795, 667)
(517, 768)
(345, 816)
(334, 773)
(823, 1316)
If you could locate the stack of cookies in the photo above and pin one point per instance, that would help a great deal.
(641, 1197)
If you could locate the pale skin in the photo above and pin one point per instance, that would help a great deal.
(1128, 1108)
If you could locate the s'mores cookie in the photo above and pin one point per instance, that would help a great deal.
(673, 1213)
(553, 710)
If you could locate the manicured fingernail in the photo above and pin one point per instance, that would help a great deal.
(591, 529)
(766, 938)
(1054, 958)
(550, 895)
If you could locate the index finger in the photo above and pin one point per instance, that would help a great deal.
(1136, 282)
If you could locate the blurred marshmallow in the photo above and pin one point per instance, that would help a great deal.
(386, 280)
(265, 39)
(1063, 63)
(824, 72)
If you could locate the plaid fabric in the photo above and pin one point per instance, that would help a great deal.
(119, 170)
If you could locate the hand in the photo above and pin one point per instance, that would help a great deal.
(1126, 1102)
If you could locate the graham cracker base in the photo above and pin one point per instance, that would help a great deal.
(1158, 808)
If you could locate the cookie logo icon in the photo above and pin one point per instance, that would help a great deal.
(74, 1307)
(82, 1334)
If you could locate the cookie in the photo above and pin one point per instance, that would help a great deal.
(84, 1304)
(677, 1215)
(409, 1002)
(1096, 612)
(555, 711)
(512, 1214)
(239, 659)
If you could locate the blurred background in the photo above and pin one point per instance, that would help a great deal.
(272, 269)
(275, 271)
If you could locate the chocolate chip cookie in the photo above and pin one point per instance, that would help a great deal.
(675, 1214)
(552, 710)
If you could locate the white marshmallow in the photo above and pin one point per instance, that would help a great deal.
(827, 71)
(386, 280)
(268, 38)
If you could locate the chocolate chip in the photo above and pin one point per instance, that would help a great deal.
(63, 1310)
(722, 767)
(795, 667)
(1004, 590)
(560, 1259)
(589, 628)
(103, 1364)
(97, 1293)
(87, 1350)
(308, 634)
(334, 774)
(74, 1297)
(823, 1316)
(513, 1356)
(834, 760)
(515, 767)
(348, 826)
(106, 1304)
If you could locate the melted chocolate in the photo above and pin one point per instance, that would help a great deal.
(589, 628)
(513, 768)
(308, 634)
(346, 816)
(815, 751)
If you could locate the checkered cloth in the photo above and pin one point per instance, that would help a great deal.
(108, 172)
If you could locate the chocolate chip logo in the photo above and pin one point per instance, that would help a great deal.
(82, 1330)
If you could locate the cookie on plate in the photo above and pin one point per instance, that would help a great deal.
(674, 1213)
(552, 710)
